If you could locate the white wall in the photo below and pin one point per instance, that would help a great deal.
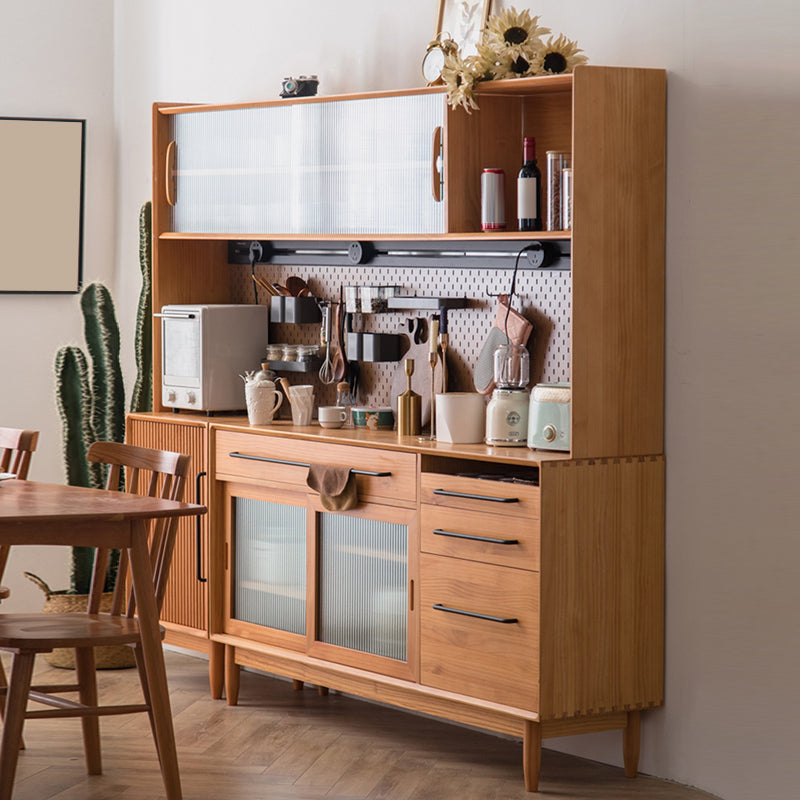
(57, 62)
(733, 649)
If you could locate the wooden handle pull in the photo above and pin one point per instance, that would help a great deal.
(169, 176)
(436, 176)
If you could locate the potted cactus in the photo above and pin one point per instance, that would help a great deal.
(91, 402)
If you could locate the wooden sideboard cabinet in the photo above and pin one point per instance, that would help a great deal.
(531, 606)
(520, 591)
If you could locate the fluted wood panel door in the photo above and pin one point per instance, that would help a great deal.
(186, 599)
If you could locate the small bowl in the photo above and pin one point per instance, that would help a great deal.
(374, 419)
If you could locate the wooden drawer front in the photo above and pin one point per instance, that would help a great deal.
(490, 538)
(284, 461)
(493, 659)
(474, 494)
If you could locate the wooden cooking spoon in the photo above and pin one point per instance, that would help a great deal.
(297, 286)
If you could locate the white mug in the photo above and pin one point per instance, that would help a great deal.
(332, 416)
(460, 417)
(261, 403)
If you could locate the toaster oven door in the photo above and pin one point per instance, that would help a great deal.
(181, 371)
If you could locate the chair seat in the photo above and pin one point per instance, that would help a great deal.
(43, 632)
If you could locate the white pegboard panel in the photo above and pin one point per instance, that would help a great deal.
(543, 297)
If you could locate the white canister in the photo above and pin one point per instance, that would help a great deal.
(460, 417)
(493, 209)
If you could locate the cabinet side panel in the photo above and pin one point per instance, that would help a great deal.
(618, 261)
(602, 618)
(186, 598)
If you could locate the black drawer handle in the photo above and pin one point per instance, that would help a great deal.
(503, 620)
(287, 463)
(198, 534)
(489, 497)
(473, 538)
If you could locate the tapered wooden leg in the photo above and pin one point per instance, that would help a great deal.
(322, 691)
(532, 755)
(216, 669)
(87, 681)
(630, 744)
(16, 702)
(153, 658)
(137, 653)
(297, 685)
(3, 685)
(231, 676)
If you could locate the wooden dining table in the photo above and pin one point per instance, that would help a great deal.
(34, 513)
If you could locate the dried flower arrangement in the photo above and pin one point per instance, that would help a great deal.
(511, 46)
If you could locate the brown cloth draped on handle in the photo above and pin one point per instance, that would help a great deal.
(336, 486)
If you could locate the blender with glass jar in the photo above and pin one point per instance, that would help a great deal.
(507, 411)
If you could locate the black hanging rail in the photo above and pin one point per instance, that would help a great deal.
(547, 254)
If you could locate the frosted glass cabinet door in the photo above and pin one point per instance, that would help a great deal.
(363, 585)
(361, 166)
(269, 583)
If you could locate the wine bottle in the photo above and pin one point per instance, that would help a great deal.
(529, 183)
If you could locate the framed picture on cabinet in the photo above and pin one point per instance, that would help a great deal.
(462, 21)
(41, 204)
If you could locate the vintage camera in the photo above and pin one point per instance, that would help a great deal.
(299, 87)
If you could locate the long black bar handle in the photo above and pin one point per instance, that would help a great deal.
(449, 610)
(198, 532)
(473, 538)
(489, 497)
(304, 464)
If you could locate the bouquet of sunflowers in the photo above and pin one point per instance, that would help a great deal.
(511, 46)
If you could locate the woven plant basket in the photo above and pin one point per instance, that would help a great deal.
(105, 657)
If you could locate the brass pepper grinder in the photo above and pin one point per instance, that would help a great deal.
(409, 406)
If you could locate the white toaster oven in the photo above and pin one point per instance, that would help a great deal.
(204, 350)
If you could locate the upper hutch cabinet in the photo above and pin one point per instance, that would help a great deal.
(350, 166)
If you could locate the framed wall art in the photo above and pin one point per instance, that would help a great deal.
(41, 204)
(463, 20)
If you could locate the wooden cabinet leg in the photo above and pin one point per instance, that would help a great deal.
(322, 691)
(532, 755)
(630, 744)
(216, 669)
(231, 676)
(297, 685)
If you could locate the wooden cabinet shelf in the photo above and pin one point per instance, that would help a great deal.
(576, 561)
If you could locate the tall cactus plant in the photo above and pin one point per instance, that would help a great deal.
(142, 396)
(92, 407)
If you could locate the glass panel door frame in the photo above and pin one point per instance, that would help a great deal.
(408, 669)
(229, 491)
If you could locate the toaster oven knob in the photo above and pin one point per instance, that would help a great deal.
(549, 433)
(190, 398)
(171, 396)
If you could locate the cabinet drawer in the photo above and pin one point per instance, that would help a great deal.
(276, 460)
(479, 630)
(475, 494)
(491, 538)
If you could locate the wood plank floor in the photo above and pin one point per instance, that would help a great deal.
(279, 744)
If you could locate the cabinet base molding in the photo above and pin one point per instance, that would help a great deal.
(436, 702)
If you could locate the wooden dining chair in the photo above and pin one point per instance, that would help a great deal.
(16, 447)
(156, 473)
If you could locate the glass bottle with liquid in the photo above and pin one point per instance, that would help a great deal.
(529, 189)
